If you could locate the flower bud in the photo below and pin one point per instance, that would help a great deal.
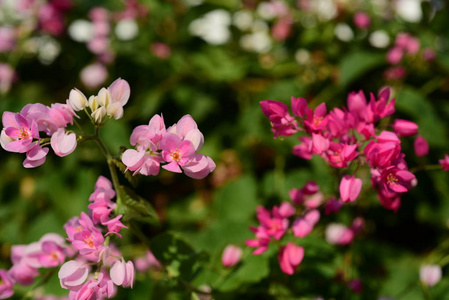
(77, 100)
(231, 256)
(430, 274)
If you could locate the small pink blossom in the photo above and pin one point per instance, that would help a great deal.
(63, 144)
(303, 226)
(430, 274)
(421, 146)
(94, 75)
(350, 188)
(147, 262)
(283, 124)
(231, 256)
(290, 256)
(444, 162)
(338, 234)
(73, 274)
(405, 128)
(122, 273)
(394, 55)
(362, 20)
(160, 50)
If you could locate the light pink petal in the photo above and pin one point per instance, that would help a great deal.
(120, 91)
(63, 144)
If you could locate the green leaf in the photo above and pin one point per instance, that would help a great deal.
(135, 207)
(178, 257)
(237, 201)
(356, 64)
(431, 127)
(131, 179)
(253, 269)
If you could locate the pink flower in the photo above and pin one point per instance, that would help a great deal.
(22, 273)
(396, 180)
(421, 146)
(122, 273)
(338, 234)
(405, 128)
(444, 162)
(63, 144)
(356, 285)
(94, 75)
(231, 256)
(290, 256)
(362, 20)
(282, 122)
(84, 236)
(7, 76)
(18, 132)
(35, 157)
(430, 274)
(394, 55)
(333, 206)
(303, 226)
(6, 285)
(160, 50)
(147, 262)
(350, 188)
(120, 92)
(114, 225)
(176, 152)
(73, 274)
(316, 119)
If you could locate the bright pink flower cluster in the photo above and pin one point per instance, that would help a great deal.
(50, 251)
(176, 146)
(21, 132)
(276, 224)
(89, 240)
(349, 136)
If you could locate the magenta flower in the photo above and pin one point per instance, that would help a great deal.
(394, 55)
(84, 236)
(282, 122)
(350, 188)
(316, 119)
(290, 256)
(405, 128)
(421, 146)
(396, 180)
(444, 162)
(231, 256)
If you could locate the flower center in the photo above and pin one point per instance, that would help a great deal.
(391, 179)
(317, 120)
(175, 155)
(89, 240)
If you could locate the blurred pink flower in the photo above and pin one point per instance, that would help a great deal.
(362, 20)
(290, 256)
(430, 274)
(444, 162)
(94, 75)
(160, 50)
(421, 146)
(350, 188)
(231, 256)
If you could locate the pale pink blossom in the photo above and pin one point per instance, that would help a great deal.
(94, 75)
(430, 274)
(147, 262)
(63, 144)
(303, 226)
(73, 274)
(122, 273)
(338, 234)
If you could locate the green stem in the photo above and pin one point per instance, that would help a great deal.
(111, 165)
(427, 168)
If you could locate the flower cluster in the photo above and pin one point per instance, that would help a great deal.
(88, 235)
(298, 219)
(21, 132)
(350, 136)
(405, 45)
(176, 146)
(50, 251)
